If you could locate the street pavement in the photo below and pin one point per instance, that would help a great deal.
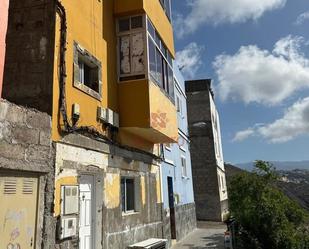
(208, 235)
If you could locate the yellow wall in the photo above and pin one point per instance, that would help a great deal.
(163, 113)
(95, 31)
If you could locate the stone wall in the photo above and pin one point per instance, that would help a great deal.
(185, 217)
(185, 220)
(25, 146)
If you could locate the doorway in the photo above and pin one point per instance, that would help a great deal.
(87, 212)
(171, 203)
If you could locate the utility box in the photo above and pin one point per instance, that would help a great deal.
(68, 227)
(70, 200)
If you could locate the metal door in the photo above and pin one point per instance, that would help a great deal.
(18, 211)
(171, 206)
(87, 216)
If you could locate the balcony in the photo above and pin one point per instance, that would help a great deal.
(147, 112)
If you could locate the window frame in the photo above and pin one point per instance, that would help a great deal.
(79, 52)
(136, 198)
(165, 61)
(123, 77)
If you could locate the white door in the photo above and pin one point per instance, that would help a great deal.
(87, 215)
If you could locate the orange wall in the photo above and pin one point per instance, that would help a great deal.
(4, 4)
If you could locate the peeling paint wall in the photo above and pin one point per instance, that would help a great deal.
(118, 229)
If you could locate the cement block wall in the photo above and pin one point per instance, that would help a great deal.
(28, 71)
(204, 163)
(25, 146)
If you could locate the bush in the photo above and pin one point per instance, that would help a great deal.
(268, 219)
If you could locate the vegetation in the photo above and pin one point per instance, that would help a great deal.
(267, 218)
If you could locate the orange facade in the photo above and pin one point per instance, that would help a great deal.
(4, 5)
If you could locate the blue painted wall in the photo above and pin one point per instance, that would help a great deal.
(172, 166)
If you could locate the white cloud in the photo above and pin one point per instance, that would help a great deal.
(261, 76)
(302, 18)
(243, 135)
(222, 11)
(189, 59)
(294, 123)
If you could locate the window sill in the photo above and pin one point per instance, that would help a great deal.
(124, 214)
(87, 90)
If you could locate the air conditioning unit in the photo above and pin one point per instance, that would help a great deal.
(151, 244)
(108, 116)
(103, 114)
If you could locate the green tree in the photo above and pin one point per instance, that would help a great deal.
(268, 219)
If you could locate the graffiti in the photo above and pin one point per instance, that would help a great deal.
(15, 216)
(15, 234)
(159, 120)
(13, 246)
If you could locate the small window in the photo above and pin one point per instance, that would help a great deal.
(87, 72)
(184, 166)
(128, 195)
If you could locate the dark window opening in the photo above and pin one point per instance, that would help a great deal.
(88, 74)
(128, 194)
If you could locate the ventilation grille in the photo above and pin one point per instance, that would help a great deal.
(10, 187)
(28, 186)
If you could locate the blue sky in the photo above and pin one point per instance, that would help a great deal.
(261, 89)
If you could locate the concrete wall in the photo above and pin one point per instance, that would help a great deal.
(4, 8)
(28, 66)
(25, 146)
(210, 191)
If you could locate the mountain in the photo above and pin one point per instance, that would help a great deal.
(295, 184)
(280, 165)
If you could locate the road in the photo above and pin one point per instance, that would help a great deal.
(208, 235)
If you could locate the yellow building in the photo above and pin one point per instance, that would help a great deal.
(103, 71)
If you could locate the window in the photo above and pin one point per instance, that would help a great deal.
(160, 62)
(128, 195)
(179, 105)
(133, 37)
(131, 48)
(87, 72)
(166, 5)
(184, 166)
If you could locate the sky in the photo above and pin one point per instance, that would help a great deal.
(257, 54)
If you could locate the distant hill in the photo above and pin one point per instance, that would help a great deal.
(280, 165)
(294, 183)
